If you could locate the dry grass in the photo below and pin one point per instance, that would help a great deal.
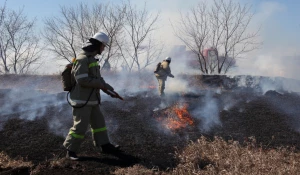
(221, 157)
(7, 162)
(138, 170)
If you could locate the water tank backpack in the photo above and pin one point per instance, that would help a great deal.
(67, 79)
(68, 82)
(157, 67)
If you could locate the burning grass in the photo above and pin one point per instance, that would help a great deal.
(221, 157)
(141, 131)
(148, 85)
(175, 117)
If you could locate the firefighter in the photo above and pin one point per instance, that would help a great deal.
(162, 73)
(87, 91)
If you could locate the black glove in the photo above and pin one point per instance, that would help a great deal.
(111, 93)
(107, 86)
(112, 96)
(172, 76)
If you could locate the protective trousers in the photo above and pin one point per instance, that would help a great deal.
(161, 86)
(82, 118)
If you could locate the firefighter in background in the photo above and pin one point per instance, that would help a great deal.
(87, 91)
(162, 73)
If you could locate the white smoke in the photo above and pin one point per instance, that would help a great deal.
(207, 113)
(270, 61)
(25, 99)
(176, 85)
(30, 104)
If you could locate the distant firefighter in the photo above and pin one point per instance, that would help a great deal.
(162, 72)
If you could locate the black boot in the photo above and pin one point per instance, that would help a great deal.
(110, 148)
(71, 155)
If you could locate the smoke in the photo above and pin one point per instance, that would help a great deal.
(262, 84)
(207, 112)
(271, 66)
(130, 83)
(30, 104)
(270, 61)
(278, 31)
(278, 56)
(176, 85)
(229, 102)
(26, 100)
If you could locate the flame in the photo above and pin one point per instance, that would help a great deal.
(184, 115)
(152, 87)
(148, 87)
(183, 118)
(173, 124)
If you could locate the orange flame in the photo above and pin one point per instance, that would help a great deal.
(184, 115)
(148, 87)
(184, 118)
(152, 87)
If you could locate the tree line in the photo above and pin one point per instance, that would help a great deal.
(222, 25)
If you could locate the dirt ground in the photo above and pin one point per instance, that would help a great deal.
(218, 108)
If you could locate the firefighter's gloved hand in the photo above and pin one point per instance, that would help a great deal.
(172, 76)
(113, 96)
(109, 87)
(112, 93)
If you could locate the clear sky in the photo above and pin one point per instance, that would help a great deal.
(283, 16)
(280, 21)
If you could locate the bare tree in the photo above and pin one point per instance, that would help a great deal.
(113, 21)
(138, 26)
(152, 52)
(223, 26)
(235, 19)
(19, 47)
(194, 31)
(66, 33)
(3, 41)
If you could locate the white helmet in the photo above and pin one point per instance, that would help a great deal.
(168, 59)
(102, 37)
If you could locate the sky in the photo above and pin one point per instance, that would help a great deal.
(279, 21)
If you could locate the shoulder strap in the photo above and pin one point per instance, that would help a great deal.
(88, 97)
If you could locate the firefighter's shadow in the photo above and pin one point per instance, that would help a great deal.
(120, 159)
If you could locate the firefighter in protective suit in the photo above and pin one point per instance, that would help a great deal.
(86, 91)
(162, 74)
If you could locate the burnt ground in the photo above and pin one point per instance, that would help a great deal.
(232, 112)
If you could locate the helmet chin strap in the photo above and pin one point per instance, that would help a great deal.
(98, 51)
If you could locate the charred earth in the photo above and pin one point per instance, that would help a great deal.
(35, 120)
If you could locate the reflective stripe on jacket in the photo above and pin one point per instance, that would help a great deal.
(88, 80)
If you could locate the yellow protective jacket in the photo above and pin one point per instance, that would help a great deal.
(164, 71)
(88, 81)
